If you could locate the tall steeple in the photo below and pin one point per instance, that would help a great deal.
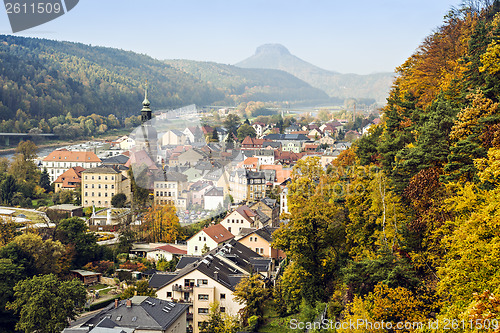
(146, 113)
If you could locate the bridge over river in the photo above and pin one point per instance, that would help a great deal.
(13, 139)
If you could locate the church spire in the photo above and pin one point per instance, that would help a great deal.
(146, 113)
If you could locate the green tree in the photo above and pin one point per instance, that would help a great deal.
(244, 131)
(10, 273)
(118, 200)
(231, 123)
(8, 188)
(73, 231)
(215, 136)
(46, 304)
(45, 181)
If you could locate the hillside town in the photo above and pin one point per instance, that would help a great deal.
(235, 189)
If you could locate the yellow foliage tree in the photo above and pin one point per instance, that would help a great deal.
(161, 224)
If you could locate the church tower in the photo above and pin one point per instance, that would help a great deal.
(146, 113)
(146, 135)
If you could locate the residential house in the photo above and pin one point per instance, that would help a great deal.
(208, 239)
(192, 156)
(194, 135)
(58, 161)
(315, 134)
(265, 156)
(100, 184)
(197, 192)
(165, 252)
(270, 208)
(252, 143)
(244, 218)
(69, 179)
(259, 128)
(260, 240)
(214, 198)
(212, 278)
(173, 138)
(139, 314)
(247, 185)
(169, 190)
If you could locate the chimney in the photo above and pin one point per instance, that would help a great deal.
(116, 303)
(129, 303)
(216, 276)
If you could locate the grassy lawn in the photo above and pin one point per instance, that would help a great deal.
(33, 216)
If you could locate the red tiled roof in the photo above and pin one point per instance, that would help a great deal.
(72, 156)
(72, 175)
(171, 249)
(218, 233)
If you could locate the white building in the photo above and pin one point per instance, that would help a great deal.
(58, 161)
(208, 239)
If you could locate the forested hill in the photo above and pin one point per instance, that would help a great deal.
(47, 78)
(413, 234)
(242, 84)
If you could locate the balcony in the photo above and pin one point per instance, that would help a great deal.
(177, 287)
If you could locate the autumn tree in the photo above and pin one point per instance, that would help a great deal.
(141, 288)
(161, 224)
(219, 322)
(251, 292)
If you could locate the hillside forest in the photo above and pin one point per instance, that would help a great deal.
(404, 227)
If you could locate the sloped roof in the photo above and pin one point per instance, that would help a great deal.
(215, 192)
(64, 155)
(158, 280)
(218, 233)
(146, 313)
(171, 249)
(72, 175)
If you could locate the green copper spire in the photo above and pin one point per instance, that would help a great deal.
(146, 101)
(146, 111)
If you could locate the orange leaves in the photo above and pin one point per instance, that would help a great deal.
(468, 119)
(160, 224)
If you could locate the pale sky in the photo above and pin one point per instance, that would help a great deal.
(358, 36)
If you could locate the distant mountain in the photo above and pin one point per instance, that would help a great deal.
(243, 84)
(276, 56)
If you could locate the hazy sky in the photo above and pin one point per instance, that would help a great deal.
(349, 36)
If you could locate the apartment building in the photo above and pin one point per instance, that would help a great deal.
(58, 161)
(100, 184)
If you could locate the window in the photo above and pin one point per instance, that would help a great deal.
(86, 194)
(202, 282)
(202, 310)
(222, 296)
(99, 177)
(86, 185)
(196, 249)
(222, 309)
(202, 297)
(169, 294)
